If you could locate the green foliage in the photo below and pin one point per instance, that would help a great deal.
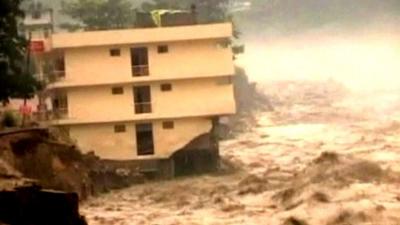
(14, 78)
(9, 119)
(98, 14)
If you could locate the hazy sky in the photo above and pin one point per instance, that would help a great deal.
(369, 60)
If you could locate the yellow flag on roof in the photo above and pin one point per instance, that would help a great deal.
(156, 15)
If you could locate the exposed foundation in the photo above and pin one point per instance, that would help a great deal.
(201, 155)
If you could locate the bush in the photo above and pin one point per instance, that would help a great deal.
(9, 120)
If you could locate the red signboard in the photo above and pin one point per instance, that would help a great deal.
(36, 46)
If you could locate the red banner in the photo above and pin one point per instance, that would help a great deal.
(36, 46)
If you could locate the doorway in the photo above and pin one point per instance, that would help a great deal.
(144, 139)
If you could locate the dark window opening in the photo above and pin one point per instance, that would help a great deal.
(162, 49)
(117, 90)
(59, 67)
(60, 102)
(144, 139)
(168, 125)
(46, 33)
(37, 14)
(60, 63)
(119, 128)
(60, 106)
(166, 87)
(142, 99)
(115, 52)
(140, 61)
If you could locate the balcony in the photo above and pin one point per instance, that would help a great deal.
(60, 113)
(140, 70)
(55, 76)
(141, 108)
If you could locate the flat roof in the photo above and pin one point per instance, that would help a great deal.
(141, 35)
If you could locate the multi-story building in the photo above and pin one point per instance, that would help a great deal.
(144, 94)
(37, 27)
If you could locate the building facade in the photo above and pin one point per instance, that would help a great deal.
(144, 94)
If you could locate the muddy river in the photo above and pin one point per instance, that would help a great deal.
(329, 153)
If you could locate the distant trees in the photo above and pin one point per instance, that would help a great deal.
(98, 14)
(15, 79)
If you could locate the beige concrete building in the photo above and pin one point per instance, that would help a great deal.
(144, 94)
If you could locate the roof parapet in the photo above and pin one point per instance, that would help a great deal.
(142, 35)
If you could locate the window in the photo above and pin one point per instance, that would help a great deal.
(60, 106)
(224, 81)
(140, 61)
(168, 125)
(60, 63)
(142, 99)
(57, 69)
(117, 90)
(162, 49)
(115, 52)
(60, 102)
(144, 139)
(46, 33)
(120, 128)
(166, 87)
(37, 14)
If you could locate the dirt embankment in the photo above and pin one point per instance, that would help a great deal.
(38, 157)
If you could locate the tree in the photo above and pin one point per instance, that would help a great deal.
(98, 14)
(15, 79)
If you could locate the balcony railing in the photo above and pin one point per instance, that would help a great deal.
(143, 108)
(56, 75)
(60, 113)
(140, 70)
